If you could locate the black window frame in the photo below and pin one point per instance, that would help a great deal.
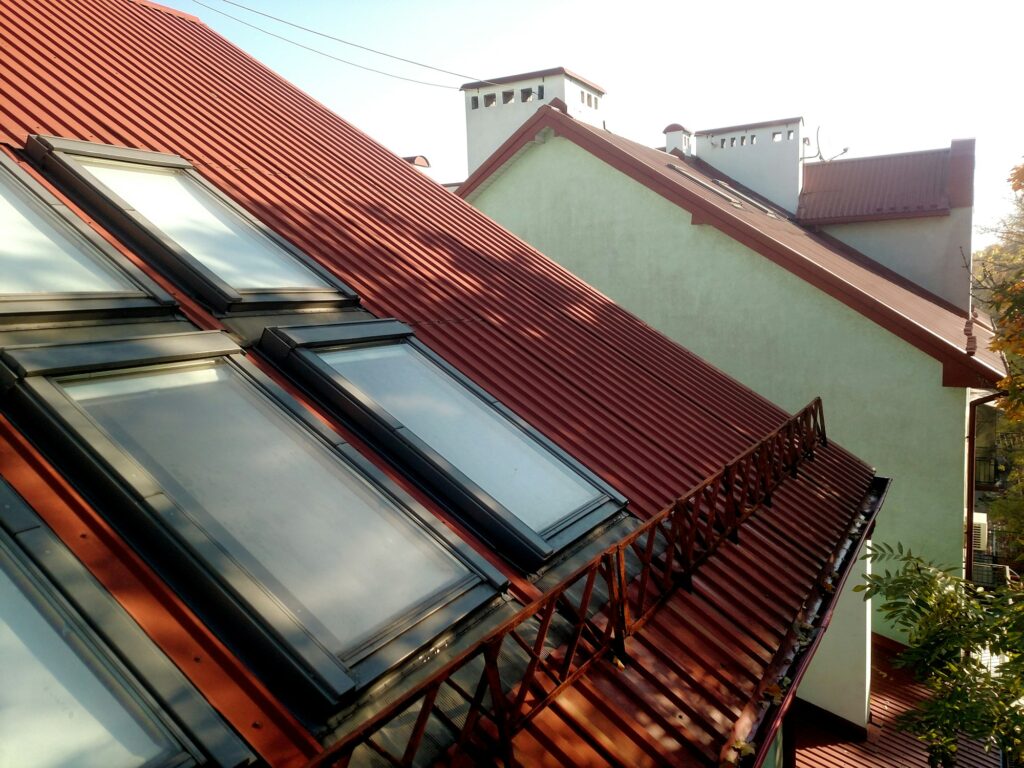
(59, 157)
(285, 652)
(108, 640)
(296, 349)
(147, 298)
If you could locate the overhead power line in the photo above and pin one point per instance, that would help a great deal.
(311, 31)
(323, 53)
(355, 45)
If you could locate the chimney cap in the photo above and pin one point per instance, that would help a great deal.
(674, 127)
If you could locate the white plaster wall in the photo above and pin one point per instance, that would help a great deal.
(487, 128)
(929, 250)
(840, 687)
(770, 168)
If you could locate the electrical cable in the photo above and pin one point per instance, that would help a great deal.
(356, 45)
(323, 53)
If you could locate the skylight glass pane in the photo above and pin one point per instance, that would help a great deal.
(58, 710)
(36, 256)
(321, 538)
(212, 233)
(507, 463)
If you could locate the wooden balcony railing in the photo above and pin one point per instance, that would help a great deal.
(477, 702)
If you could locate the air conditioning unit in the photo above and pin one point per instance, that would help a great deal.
(980, 532)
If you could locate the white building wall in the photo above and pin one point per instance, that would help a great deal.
(765, 158)
(932, 251)
(835, 679)
(487, 127)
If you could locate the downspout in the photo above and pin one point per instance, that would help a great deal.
(972, 425)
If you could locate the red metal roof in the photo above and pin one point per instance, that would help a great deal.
(893, 692)
(894, 302)
(647, 415)
(532, 76)
(906, 185)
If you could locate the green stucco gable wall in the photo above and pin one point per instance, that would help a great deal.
(779, 335)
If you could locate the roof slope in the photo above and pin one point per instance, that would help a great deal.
(893, 692)
(898, 186)
(907, 310)
(647, 415)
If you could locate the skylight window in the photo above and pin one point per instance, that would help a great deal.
(68, 698)
(747, 198)
(201, 238)
(203, 226)
(290, 523)
(52, 262)
(56, 707)
(39, 256)
(514, 487)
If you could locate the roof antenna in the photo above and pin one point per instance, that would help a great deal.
(819, 155)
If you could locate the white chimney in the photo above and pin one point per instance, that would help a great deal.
(496, 108)
(766, 157)
(678, 139)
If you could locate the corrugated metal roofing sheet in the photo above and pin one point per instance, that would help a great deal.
(647, 415)
(870, 188)
(893, 692)
(894, 302)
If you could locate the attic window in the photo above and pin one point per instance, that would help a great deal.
(776, 136)
(540, 92)
(526, 95)
(465, 446)
(696, 180)
(474, 102)
(194, 233)
(51, 261)
(68, 697)
(747, 198)
(254, 512)
(507, 97)
(490, 99)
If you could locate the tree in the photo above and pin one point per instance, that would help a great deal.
(951, 627)
(999, 285)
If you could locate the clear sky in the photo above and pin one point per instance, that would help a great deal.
(877, 77)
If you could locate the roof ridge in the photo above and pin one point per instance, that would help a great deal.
(887, 156)
(168, 10)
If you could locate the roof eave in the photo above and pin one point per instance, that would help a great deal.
(824, 221)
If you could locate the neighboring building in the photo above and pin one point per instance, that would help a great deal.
(303, 456)
(911, 212)
(788, 311)
(496, 108)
